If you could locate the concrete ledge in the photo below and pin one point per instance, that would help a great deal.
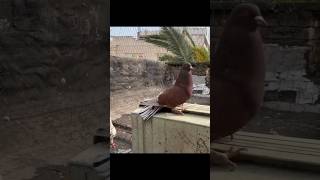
(171, 133)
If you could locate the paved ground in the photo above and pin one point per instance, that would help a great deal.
(125, 101)
(246, 171)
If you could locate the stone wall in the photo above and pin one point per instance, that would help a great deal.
(51, 43)
(292, 42)
(128, 73)
(287, 86)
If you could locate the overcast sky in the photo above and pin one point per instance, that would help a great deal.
(129, 31)
(132, 31)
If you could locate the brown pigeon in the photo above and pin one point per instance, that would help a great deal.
(172, 97)
(239, 71)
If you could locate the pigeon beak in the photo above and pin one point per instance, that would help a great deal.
(191, 68)
(260, 21)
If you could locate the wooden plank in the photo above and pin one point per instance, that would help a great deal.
(195, 119)
(290, 146)
(276, 157)
(263, 145)
(275, 149)
(277, 142)
(277, 137)
(197, 109)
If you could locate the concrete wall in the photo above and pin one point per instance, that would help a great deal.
(171, 133)
(291, 50)
(128, 73)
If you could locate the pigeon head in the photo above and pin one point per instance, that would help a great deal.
(184, 78)
(247, 15)
(187, 67)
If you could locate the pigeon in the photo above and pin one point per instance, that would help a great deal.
(239, 72)
(172, 97)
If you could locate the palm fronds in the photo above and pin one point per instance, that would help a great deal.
(174, 41)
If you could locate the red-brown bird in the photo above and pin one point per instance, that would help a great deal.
(239, 71)
(172, 97)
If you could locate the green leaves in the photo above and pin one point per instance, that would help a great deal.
(180, 44)
(173, 41)
(201, 54)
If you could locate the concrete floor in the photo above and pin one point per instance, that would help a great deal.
(246, 171)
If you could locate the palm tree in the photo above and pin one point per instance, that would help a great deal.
(175, 42)
(201, 54)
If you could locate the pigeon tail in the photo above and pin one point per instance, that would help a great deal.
(149, 111)
(150, 108)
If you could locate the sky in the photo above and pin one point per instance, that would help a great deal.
(131, 31)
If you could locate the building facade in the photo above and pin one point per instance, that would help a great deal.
(131, 47)
(134, 47)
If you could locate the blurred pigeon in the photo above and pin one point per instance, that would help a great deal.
(239, 72)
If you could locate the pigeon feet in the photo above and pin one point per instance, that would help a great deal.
(180, 107)
(224, 158)
(177, 111)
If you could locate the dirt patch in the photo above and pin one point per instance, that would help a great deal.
(51, 131)
(126, 101)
